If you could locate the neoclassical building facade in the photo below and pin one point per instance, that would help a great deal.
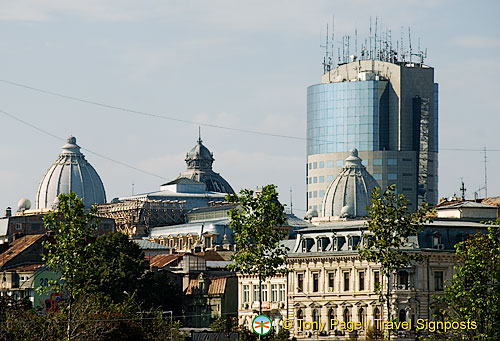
(330, 291)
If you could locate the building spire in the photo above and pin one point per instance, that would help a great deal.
(199, 134)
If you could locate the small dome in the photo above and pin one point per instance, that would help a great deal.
(199, 162)
(70, 172)
(348, 195)
(23, 204)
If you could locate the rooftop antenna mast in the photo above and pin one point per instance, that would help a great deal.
(409, 41)
(402, 53)
(326, 66)
(485, 160)
(333, 39)
(291, 201)
(371, 51)
(376, 24)
(463, 189)
(355, 41)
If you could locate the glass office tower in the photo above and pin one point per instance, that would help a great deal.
(388, 111)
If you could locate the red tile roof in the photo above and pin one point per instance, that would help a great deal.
(160, 261)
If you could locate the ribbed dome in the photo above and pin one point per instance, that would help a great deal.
(199, 162)
(350, 193)
(70, 172)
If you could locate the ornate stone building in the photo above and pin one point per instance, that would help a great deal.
(329, 282)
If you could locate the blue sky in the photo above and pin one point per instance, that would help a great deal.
(242, 64)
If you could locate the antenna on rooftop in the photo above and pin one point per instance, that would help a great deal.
(485, 160)
(463, 189)
(326, 62)
(409, 41)
(291, 202)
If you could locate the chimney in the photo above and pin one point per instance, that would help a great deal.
(8, 212)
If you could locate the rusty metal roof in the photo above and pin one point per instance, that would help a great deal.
(18, 246)
(161, 261)
(217, 285)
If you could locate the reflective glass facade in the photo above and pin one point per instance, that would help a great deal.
(344, 115)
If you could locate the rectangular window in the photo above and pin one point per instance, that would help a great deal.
(329, 164)
(315, 282)
(310, 166)
(321, 179)
(256, 293)
(346, 281)
(361, 280)
(331, 280)
(377, 176)
(246, 293)
(315, 179)
(376, 277)
(300, 282)
(310, 195)
(274, 292)
(315, 165)
(315, 194)
(407, 174)
(377, 162)
(321, 194)
(340, 163)
(408, 160)
(282, 293)
(329, 178)
(392, 176)
(438, 280)
(322, 164)
(392, 162)
(264, 293)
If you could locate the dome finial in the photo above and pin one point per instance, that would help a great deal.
(71, 139)
(199, 135)
(353, 152)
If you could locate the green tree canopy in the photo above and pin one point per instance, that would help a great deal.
(257, 226)
(390, 224)
(474, 293)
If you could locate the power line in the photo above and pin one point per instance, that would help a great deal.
(170, 118)
(86, 149)
(143, 113)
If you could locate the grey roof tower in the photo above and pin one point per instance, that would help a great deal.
(199, 162)
(70, 172)
(350, 193)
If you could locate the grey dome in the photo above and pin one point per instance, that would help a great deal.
(199, 162)
(70, 172)
(349, 193)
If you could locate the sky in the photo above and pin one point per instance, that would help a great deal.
(237, 64)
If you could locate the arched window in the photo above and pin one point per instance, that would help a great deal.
(347, 315)
(361, 316)
(331, 315)
(300, 316)
(376, 313)
(315, 315)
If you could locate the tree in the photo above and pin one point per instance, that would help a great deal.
(73, 227)
(474, 293)
(114, 267)
(257, 233)
(389, 225)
